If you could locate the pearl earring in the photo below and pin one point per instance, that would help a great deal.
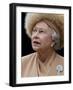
(52, 44)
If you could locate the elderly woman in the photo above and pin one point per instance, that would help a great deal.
(46, 33)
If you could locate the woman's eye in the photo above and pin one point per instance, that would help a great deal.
(34, 30)
(41, 31)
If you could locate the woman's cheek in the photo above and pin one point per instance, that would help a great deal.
(47, 41)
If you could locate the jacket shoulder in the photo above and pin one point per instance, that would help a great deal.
(25, 63)
(59, 59)
(27, 57)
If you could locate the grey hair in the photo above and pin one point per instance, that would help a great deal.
(56, 39)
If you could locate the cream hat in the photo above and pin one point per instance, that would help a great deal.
(56, 19)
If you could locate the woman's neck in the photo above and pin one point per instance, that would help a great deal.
(44, 54)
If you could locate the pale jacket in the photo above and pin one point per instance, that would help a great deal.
(32, 66)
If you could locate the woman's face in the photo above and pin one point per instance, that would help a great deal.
(41, 36)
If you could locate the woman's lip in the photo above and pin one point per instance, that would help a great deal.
(36, 42)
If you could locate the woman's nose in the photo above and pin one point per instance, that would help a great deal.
(35, 35)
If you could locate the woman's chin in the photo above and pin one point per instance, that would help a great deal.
(36, 48)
